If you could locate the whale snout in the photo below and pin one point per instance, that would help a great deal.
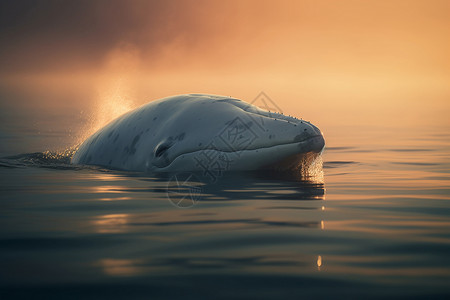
(311, 136)
(317, 143)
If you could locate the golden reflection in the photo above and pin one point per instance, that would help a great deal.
(112, 191)
(114, 199)
(311, 168)
(113, 223)
(115, 190)
(316, 170)
(322, 225)
(108, 189)
(62, 156)
(120, 267)
(319, 262)
(100, 176)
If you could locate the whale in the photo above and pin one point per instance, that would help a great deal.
(200, 132)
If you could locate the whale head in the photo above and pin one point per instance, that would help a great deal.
(199, 132)
(219, 132)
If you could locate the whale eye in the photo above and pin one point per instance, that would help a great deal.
(161, 149)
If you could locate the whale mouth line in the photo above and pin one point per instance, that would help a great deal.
(239, 150)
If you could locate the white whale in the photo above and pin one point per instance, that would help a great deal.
(199, 132)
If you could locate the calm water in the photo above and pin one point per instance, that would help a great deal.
(376, 224)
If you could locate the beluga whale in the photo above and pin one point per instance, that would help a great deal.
(200, 132)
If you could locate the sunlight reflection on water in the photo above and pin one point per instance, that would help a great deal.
(371, 221)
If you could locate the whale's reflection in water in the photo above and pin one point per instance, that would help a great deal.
(246, 222)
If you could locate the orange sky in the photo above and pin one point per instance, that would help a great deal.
(332, 62)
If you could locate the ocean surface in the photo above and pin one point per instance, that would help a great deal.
(372, 221)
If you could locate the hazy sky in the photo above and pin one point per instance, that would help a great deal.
(334, 62)
(375, 36)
